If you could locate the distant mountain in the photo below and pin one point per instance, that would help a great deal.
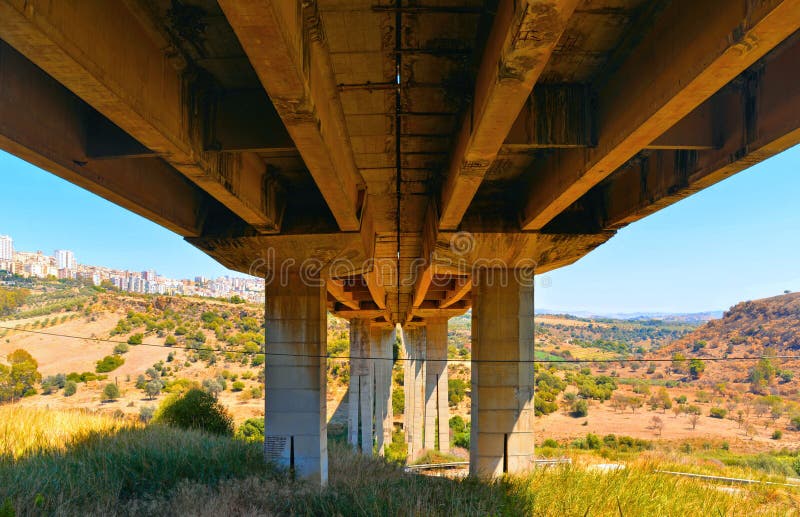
(691, 317)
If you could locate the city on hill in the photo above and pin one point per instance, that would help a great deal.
(62, 264)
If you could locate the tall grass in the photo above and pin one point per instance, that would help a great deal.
(78, 464)
(71, 463)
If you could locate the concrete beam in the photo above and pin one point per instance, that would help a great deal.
(245, 120)
(554, 116)
(668, 75)
(462, 286)
(105, 140)
(295, 431)
(80, 44)
(286, 45)
(44, 124)
(337, 290)
(759, 116)
(517, 50)
(559, 116)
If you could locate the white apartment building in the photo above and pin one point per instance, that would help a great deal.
(6, 248)
(65, 259)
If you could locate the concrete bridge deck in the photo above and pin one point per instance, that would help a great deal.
(380, 159)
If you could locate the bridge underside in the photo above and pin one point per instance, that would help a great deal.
(395, 151)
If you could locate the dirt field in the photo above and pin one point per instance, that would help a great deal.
(603, 419)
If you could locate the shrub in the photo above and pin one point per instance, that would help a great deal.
(146, 414)
(550, 443)
(251, 430)
(717, 412)
(255, 392)
(195, 409)
(135, 339)
(237, 386)
(580, 408)
(398, 401)
(109, 363)
(70, 388)
(456, 391)
(170, 340)
(777, 434)
(593, 441)
(111, 391)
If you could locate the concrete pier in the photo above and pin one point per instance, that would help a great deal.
(502, 392)
(383, 340)
(360, 402)
(415, 342)
(437, 411)
(295, 406)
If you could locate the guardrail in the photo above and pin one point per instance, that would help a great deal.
(723, 479)
(464, 464)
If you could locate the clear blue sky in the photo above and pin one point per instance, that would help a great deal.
(737, 240)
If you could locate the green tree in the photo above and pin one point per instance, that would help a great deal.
(153, 388)
(111, 391)
(70, 388)
(678, 362)
(20, 378)
(696, 368)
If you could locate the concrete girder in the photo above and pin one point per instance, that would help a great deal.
(560, 116)
(669, 74)
(43, 123)
(80, 44)
(286, 45)
(518, 48)
(767, 98)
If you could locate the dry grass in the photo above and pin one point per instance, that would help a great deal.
(77, 464)
(28, 431)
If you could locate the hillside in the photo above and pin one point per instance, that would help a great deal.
(150, 346)
(766, 327)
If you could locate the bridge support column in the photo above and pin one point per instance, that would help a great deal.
(384, 338)
(295, 403)
(361, 401)
(414, 338)
(501, 440)
(437, 410)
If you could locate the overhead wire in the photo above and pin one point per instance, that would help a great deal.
(454, 361)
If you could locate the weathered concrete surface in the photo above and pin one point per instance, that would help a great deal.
(360, 401)
(394, 153)
(502, 376)
(383, 340)
(296, 380)
(414, 338)
(437, 409)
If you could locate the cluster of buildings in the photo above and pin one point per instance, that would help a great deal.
(63, 265)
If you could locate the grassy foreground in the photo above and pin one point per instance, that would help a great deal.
(79, 464)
